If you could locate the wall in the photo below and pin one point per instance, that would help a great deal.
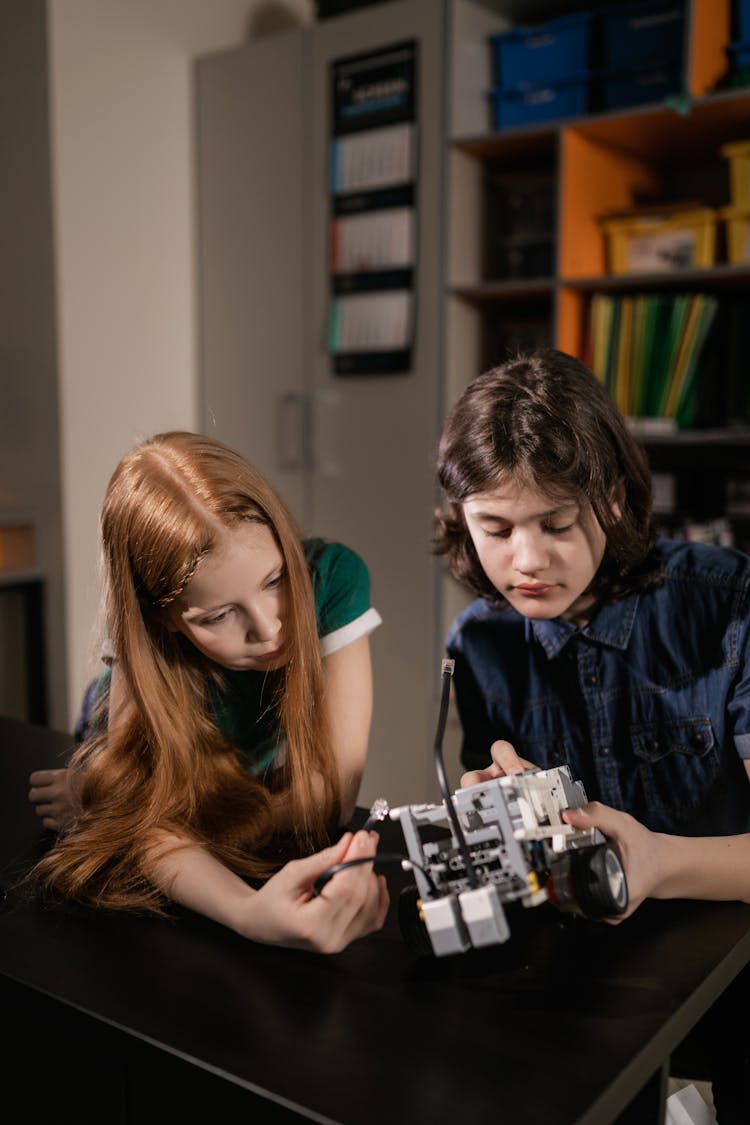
(121, 91)
(29, 444)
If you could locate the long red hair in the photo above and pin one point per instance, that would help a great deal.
(164, 765)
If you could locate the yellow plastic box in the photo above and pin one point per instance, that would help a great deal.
(661, 242)
(738, 155)
(737, 221)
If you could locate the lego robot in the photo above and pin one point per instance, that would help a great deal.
(511, 845)
(494, 843)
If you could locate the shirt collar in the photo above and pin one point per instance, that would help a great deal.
(612, 625)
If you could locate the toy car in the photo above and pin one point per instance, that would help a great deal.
(502, 841)
(512, 844)
(491, 844)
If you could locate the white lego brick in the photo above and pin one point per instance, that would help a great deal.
(484, 916)
(445, 926)
(687, 1107)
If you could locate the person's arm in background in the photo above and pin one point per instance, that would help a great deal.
(53, 792)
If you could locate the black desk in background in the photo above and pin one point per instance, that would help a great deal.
(29, 587)
(134, 1021)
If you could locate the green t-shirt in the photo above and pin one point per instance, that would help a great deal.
(247, 712)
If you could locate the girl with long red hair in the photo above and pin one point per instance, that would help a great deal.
(231, 723)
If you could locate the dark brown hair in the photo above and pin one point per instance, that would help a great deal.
(545, 421)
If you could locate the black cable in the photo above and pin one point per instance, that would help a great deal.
(386, 857)
(447, 674)
(378, 814)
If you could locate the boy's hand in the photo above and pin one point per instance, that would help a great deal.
(505, 763)
(639, 849)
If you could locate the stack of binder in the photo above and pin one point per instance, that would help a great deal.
(647, 350)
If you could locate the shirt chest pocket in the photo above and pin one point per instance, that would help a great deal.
(677, 763)
(544, 751)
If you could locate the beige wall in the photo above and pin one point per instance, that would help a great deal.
(121, 97)
(29, 432)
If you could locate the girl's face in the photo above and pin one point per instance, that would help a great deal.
(539, 553)
(233, 608)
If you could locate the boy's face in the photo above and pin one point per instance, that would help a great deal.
(538, 552)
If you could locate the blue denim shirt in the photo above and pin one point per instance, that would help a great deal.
(649, 703)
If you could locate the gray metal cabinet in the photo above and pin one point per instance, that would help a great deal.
(353, 455)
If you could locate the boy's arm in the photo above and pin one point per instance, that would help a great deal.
(658, 865)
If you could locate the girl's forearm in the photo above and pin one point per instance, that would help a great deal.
(284, 911)
(189, 875)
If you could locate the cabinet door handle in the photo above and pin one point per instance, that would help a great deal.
(327, 433)
(292, 432)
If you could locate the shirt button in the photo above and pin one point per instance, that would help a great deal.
(590, 680)
(653, 744)
(698, 739)
(604, 751)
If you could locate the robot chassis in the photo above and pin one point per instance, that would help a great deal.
(506, 842)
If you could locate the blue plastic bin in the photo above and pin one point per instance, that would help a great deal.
(546, 53)
(636, 34)
(739, 55)
(741, 21)
(640, 87)
(521, 107)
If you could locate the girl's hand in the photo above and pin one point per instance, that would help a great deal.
(505, 762)
(639, 848)
(53, 798)
(351, 904)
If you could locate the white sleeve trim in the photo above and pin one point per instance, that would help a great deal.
(360, 627)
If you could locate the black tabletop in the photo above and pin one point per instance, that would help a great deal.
(561, 1024)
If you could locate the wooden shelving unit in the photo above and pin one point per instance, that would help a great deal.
(258, 275)
(603, 162)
